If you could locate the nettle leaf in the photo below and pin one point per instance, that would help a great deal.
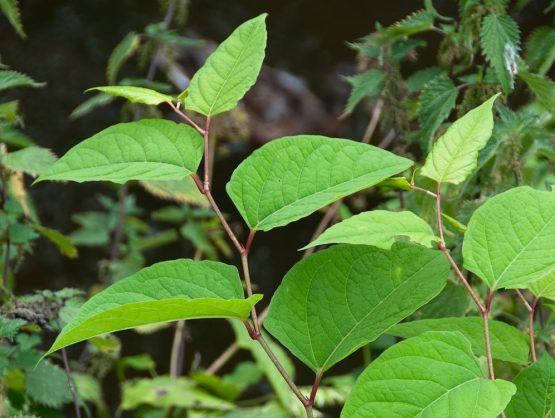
(500, 40)
(509, 241)
(167, 291)
(12, 79)
(10, 9)
(149, 149)
(455, 154)
(337, 300)
(507, 343)
(417, 22)
(420, 78)
(435, 103)
(380, 228)
(47, 384)
(30, 160)
(136, 94)
(542, 87)
(230, 71)
(291, 177)
(432, 375)
(121, 53)
(545, 287)
(540, 49)
(367, 84)
(535, 388)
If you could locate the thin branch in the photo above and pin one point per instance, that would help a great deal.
(223, 359)
(315, 386)
(485, 317)
(523, 300)
(207, 155)
(186, 118)
(421, 189)
(326, 220)
(531, 329)
(247, 277)
(374, 120)
(71, 384)
(178, 350)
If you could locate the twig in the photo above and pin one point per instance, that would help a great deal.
(71, 384)
(178, 350)
(206, 155)
(374, 120)
(326, 220)
(223, 358)
(485, 317)
(531, 313)
(247, 276)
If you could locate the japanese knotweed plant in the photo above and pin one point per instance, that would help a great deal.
(385, 267)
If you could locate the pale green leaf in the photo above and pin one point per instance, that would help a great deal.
(31, 160)
(500, 40)
(121, 53)
(380, 228)
(542, 87)
(432, 375)
(149, 149)
(10, 9)
(340, 299)
(367, 84)
(167, 291)
(435, 104)
(507, 342)
(230, 71)
(455, 154)
(136, 94)
(63, 242)
(509, 241)
(545, 287)
(12, 79)
(181, 191)
(535, 388)
(166, 391)
(291, 177)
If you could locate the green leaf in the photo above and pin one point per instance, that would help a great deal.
(167, 291)
(20, 233)
(435, 103)
(166, 391)
(420, 78)
(12, 79)
(507, 342)
(455, 154)
(121, 53)
(291, 177)
(509, 241)
(500, 40)
(47, 384)
(454, 300)
(150, 149)
(535, 388)
(371, 289)
(136, 94)
(9, 327)
(230, 71)
(433, 375)
(181, 191)
(545, 287)
(417, 22)
(96, 101)
(63, 242)
(30, 160)
(542, 87)
(540, 49)
(380, 228)
(367, 84)
(10, 9)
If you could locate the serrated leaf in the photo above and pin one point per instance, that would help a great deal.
(181, 191)
(417, 22)
(121, 53)
(367, 84)
(432, 375)
(337, 300)
(535, 388)
(30, 160)
(96, 101)
(542, 87)
(167, 291)
(509, 241)
(63, 242)
(47, 384)
(136, 94)
(10, 9)
(149, 149)
(291, 177)
(435, 104)
(166, 391)
(455, 154)
(380, 228)
(540, 49)
(507, 342)
(498, 36)
(12, 79)
(230, 71)
(420, 78)
(9, 327)
(20, 233)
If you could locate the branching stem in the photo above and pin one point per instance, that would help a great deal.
(531, 313)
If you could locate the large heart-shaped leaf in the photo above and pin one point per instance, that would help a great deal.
(337, 300)
(535, 391)
(433, 375)
(507, 343)
(150, 149)
(455, 154)
(510, 241)
(291, 177)
(380, 228)
(167, 291)
(230, 71)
